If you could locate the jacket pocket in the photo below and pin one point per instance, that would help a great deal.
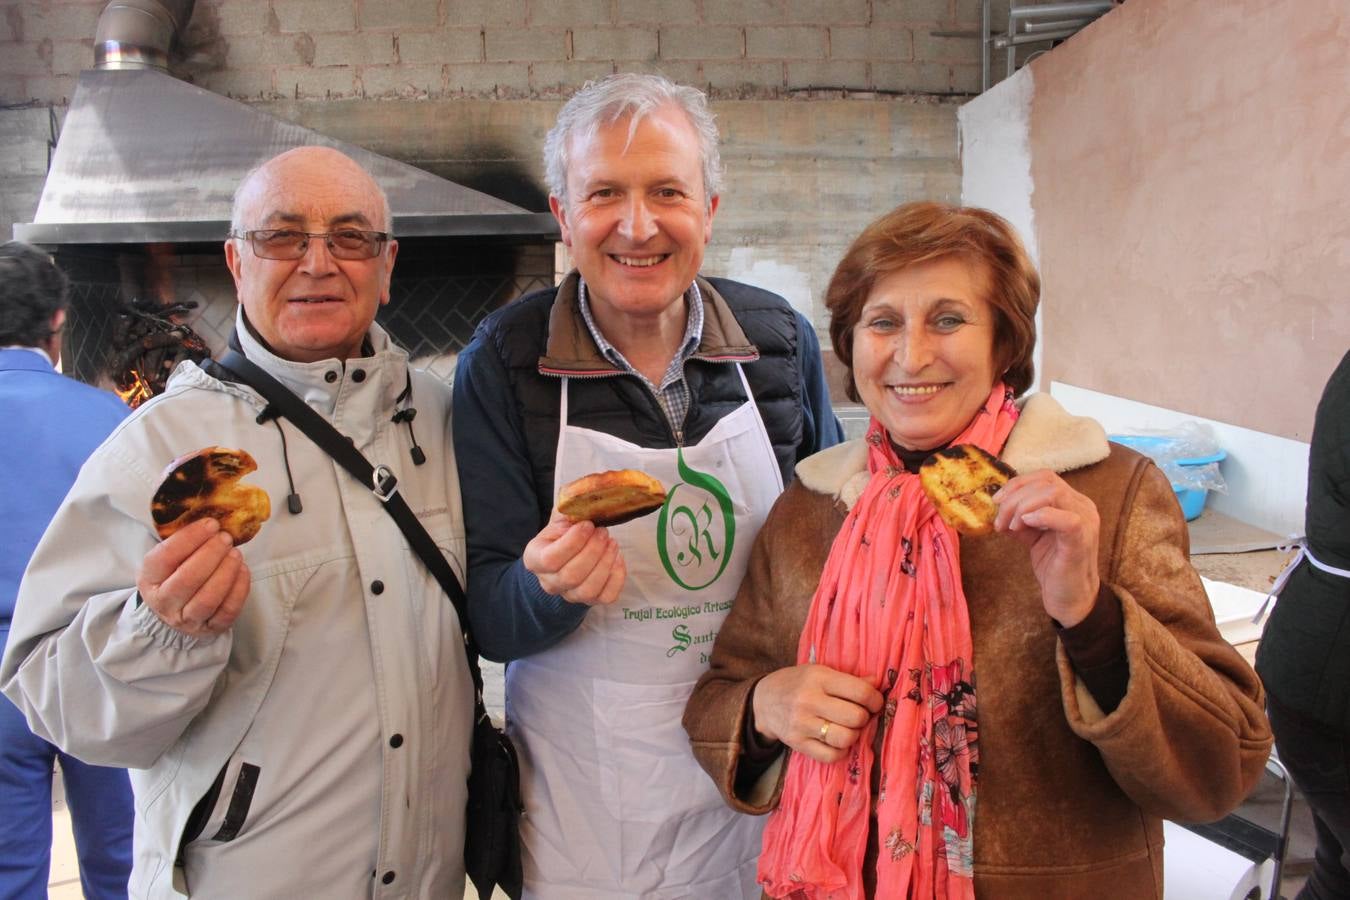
(219, 815)
(196, 822)
(240, 801)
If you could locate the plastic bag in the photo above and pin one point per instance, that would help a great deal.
(1189, 454)
(1206, 477)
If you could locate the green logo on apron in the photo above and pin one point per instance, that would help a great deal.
(692, 536)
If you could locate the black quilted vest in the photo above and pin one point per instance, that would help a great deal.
(621, 405)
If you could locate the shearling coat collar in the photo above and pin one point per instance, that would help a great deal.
(1045, 437)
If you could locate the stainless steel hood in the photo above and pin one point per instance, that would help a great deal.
(145, 157)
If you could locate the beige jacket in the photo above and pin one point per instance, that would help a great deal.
(1070, 800)
(334, 716)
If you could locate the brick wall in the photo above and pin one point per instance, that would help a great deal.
(831, 111)
(513, 49)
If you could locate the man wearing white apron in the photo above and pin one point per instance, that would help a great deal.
(633, 361)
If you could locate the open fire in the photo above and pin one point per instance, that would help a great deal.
(137, 392)
(147, 343)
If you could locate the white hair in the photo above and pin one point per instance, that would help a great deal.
(237, 225)
(632, 94)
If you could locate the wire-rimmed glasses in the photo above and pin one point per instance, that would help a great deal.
(287, 243)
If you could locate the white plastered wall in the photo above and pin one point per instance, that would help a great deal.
(1266, 474)
(995, 149)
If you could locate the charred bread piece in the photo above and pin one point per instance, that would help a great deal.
(961, 482)
(611, 498)
(205, 483)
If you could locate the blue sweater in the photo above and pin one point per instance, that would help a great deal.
(52, 424)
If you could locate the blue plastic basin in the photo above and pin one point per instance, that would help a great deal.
(1192, 500)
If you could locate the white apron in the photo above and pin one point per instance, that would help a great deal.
(615, 804)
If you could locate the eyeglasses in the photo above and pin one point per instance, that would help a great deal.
(282, 243)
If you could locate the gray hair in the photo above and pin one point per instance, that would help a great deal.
(632, 94)
(237, 205)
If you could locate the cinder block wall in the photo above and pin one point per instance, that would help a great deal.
(513, 49)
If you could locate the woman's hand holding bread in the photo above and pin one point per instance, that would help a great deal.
(1059, 526)
(978, 494)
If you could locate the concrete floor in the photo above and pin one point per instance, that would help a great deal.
(64, 881)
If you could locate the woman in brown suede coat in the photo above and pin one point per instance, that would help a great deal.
(842, 688)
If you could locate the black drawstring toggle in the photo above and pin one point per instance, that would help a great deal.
(271, 414)
(406, 416)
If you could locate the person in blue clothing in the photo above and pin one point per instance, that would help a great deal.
(634, 361)
(52, 424)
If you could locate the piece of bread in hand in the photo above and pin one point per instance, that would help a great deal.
(205, 483)
(611, 498)
(961, 482)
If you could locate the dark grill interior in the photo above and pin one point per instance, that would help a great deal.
(440, 291)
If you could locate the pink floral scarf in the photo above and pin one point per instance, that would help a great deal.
(890, 609)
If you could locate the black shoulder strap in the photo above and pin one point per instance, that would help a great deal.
(379, 479)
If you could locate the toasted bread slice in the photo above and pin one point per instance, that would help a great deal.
(961, 482)
(205, 483)
(611, 498)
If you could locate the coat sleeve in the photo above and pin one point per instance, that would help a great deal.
(759, 636)
(820, 426)
(511, 614)
(1190, 738)
(93, 669)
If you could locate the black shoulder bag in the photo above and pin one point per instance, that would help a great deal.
(492, 833)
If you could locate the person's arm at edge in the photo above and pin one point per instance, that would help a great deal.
(510, 614)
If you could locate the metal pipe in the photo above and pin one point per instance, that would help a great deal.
(1009, 42)
(1061, 9)
(1058, 25)
(985, 18)
(1003, 40)
(137, 34)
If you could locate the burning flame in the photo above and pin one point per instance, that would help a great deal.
(137, 392)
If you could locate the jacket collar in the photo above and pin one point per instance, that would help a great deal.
(1046, 436)
(386, 367)
(570, 349)
(29, 359)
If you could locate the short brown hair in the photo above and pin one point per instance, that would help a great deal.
(920, 232)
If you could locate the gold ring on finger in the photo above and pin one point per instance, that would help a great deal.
(824, 730)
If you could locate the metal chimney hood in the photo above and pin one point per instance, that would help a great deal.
(145, 157)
